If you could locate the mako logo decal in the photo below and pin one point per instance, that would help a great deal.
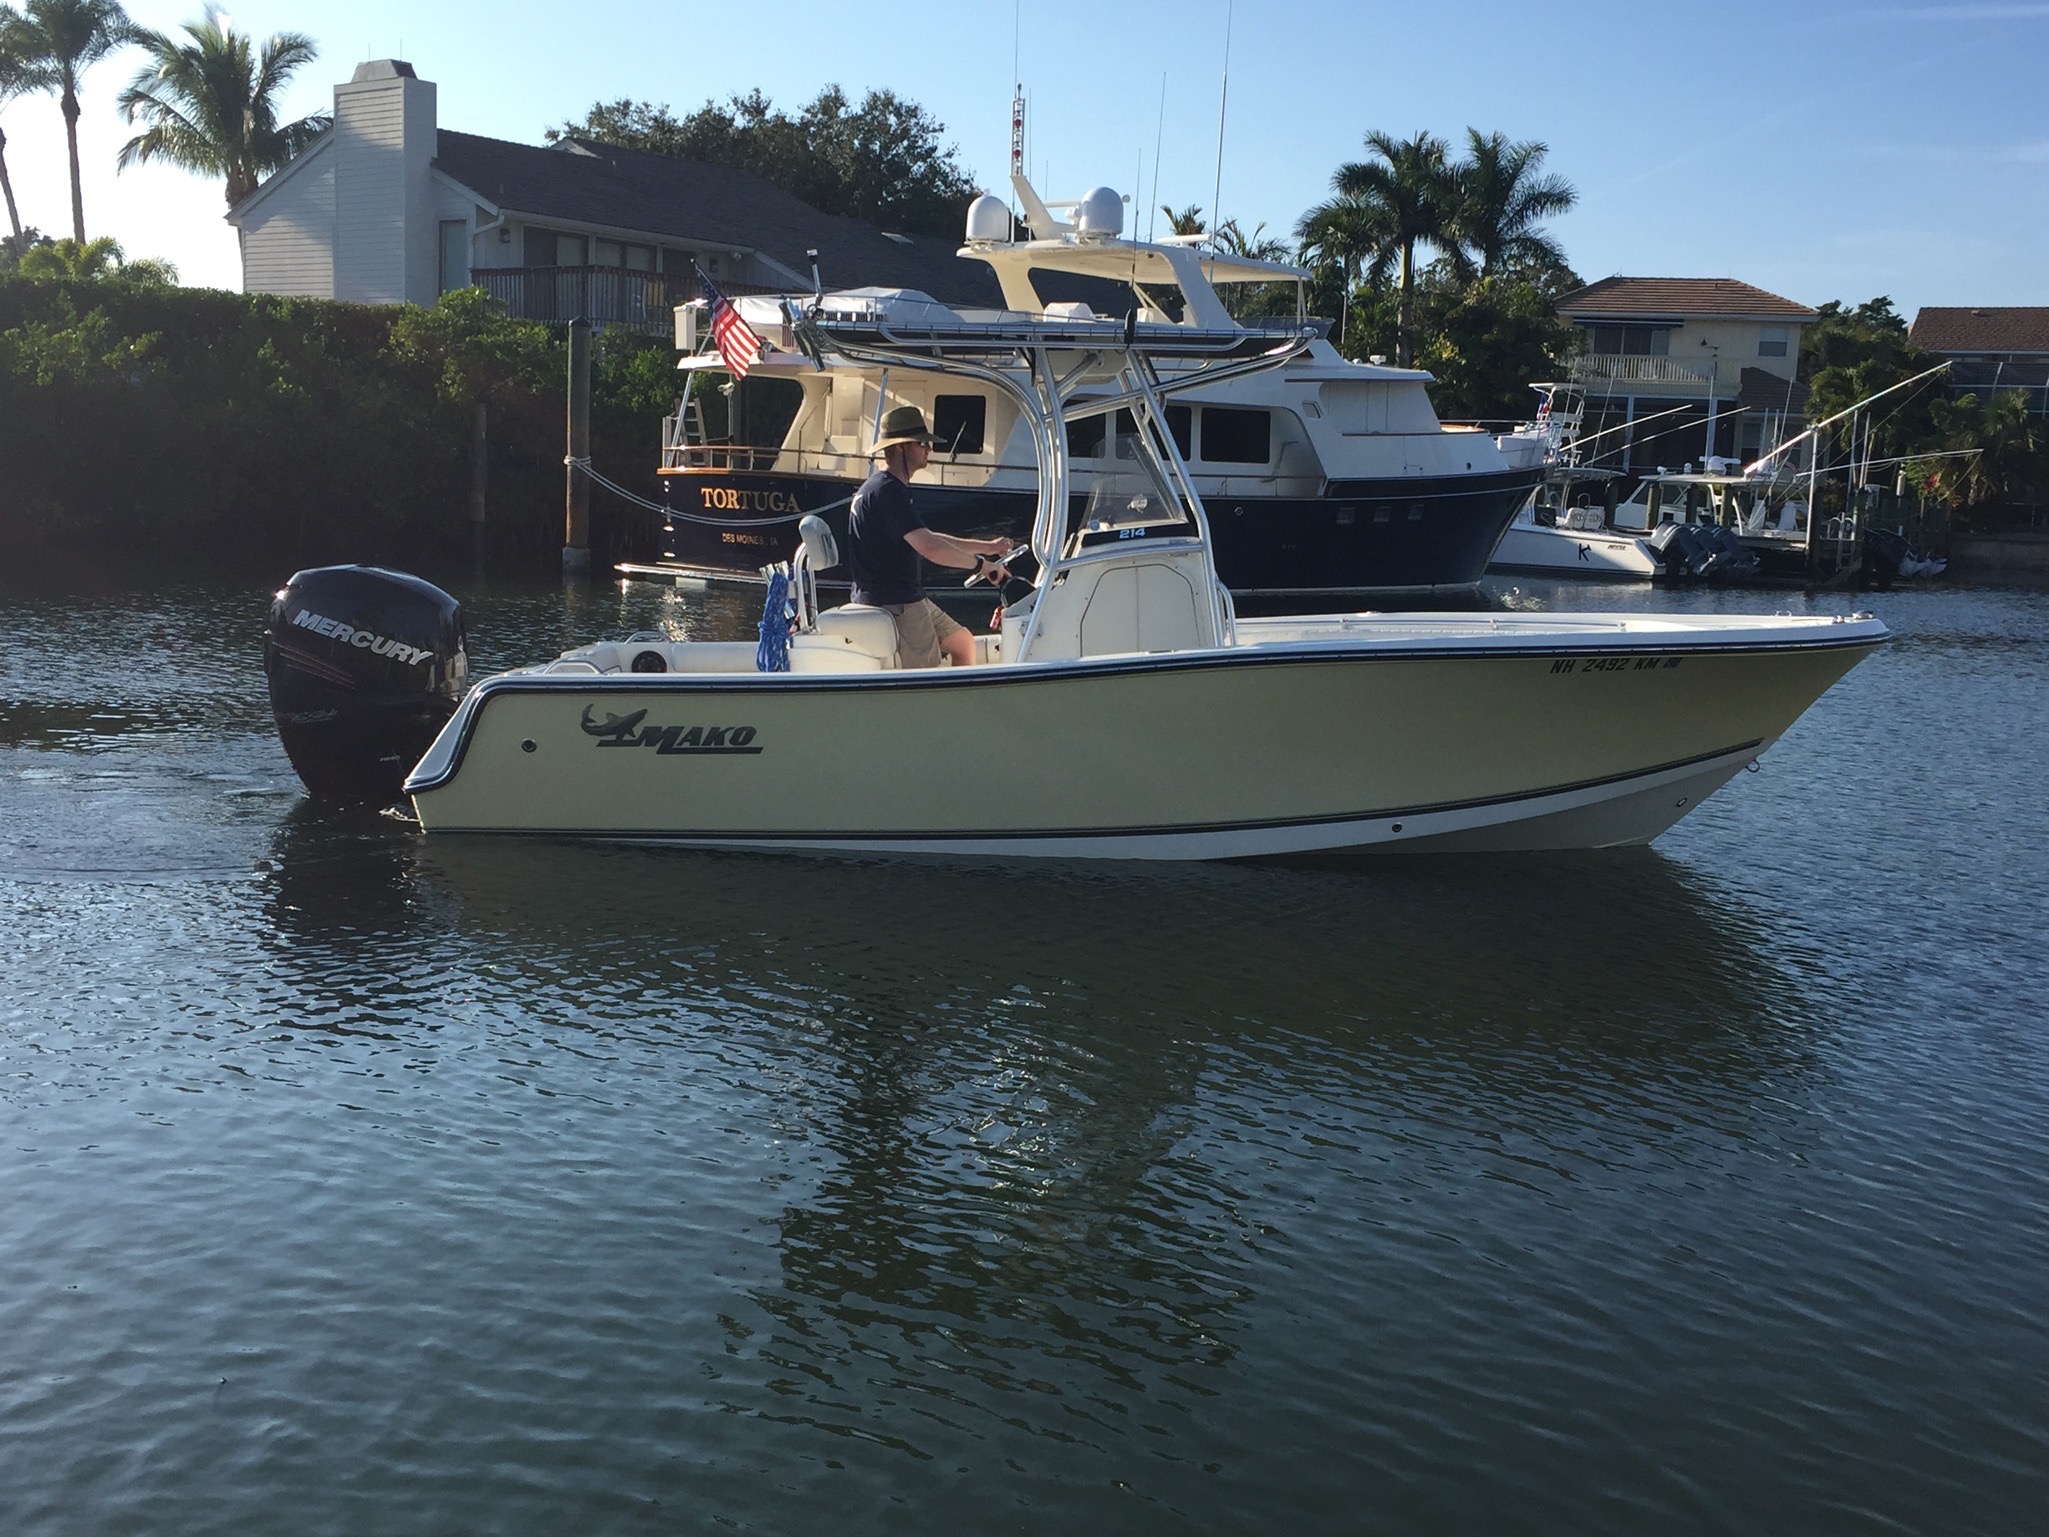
(627, 731)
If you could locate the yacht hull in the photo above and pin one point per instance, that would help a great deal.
(1461, 734)
(1362, 538)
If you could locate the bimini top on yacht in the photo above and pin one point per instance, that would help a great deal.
(1327, 479)
(1122, 709)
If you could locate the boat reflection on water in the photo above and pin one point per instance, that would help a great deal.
(1553, 971)
(1029, 1110)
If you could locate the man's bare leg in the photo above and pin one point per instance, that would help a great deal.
(960, 648)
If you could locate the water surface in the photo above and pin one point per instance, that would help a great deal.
(355, 1182)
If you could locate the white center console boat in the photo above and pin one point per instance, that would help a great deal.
(1123, 709)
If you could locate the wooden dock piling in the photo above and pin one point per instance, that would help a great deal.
(576, 541)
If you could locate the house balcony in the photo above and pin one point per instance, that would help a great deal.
(605, 296)
(1608, 370)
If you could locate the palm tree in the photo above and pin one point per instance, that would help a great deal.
(66, 38)
(1244, 300)
(21, 71)
(95, 261)
(1500, 199)
(1353, 237)
(1407, 194)
(1187, 222)
(211, 104)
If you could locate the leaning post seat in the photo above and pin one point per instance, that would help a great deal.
(851, 638)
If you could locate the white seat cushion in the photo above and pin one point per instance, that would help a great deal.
(869, 632)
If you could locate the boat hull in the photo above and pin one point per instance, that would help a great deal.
(1582, 553)
(1361, 539)
(1260, 750)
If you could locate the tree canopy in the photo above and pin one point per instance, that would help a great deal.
(884, 161)
(21, 71)
(211, 103)
(103, 258)
(1961, 449)
(63, 39)
(1479, 315)
(1386, 206)
(1498, 198)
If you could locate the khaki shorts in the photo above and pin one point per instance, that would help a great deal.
(921, 630)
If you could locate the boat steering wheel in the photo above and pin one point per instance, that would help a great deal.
(976, 578)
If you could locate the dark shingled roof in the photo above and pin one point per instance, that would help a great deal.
(1677, 299)
(1982, 330)
(694, 203)
(1759, 389)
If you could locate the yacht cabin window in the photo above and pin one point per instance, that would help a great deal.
(1231, 435)
(960, 424)
(1088, 437)
(756, 411)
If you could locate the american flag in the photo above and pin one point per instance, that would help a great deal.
(737, 344)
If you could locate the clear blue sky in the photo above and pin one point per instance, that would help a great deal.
(1818, 150)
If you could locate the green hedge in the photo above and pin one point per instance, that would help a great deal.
(135, 416)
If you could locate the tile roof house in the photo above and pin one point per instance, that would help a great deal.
(388, 208)
(1990, 350)
(1714, 360)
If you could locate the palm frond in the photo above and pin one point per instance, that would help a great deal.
(211, 100)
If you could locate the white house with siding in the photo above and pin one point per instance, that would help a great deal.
(388, 207)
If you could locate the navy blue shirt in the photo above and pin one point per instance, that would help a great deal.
(884, 568)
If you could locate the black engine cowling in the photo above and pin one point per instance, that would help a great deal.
(365, 667)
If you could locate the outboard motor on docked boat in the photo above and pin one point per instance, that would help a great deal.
(365, 667)
(1697, 552)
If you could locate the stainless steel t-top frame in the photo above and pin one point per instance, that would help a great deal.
(1042, 365)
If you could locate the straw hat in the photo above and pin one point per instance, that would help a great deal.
(905, 424)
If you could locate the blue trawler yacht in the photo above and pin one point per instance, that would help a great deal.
(1332, 484)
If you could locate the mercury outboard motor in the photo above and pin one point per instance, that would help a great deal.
(365, 667)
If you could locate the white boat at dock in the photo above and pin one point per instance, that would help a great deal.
(1564, 529)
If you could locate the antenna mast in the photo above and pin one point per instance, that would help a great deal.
(1017, 104)
(1159, 140)
(1223, 105)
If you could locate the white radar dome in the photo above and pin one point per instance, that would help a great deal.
(1099, 215)
(988, 221)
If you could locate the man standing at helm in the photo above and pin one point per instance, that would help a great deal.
(886, 538)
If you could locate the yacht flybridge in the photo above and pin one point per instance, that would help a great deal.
(1328, 481)
(1121, 709)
